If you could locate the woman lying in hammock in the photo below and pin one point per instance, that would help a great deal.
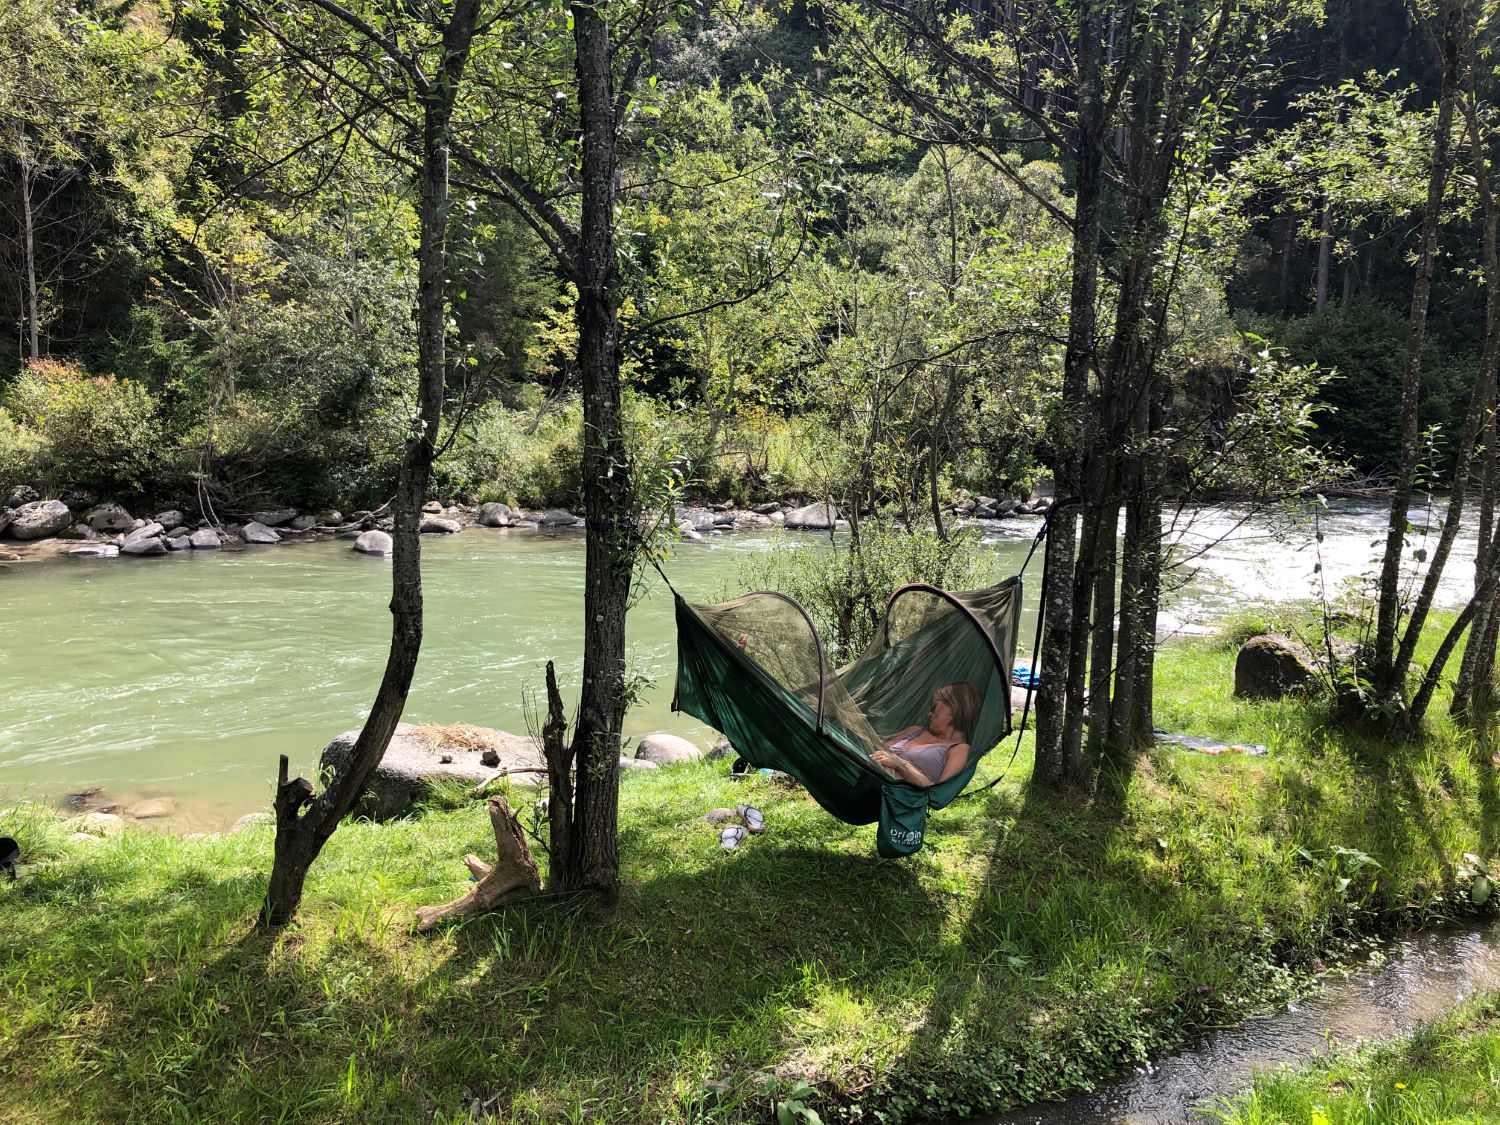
(925, 755)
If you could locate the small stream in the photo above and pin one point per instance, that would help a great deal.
(1419, 979)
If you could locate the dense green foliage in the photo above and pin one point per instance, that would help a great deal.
(1031, 947)
(878, 315)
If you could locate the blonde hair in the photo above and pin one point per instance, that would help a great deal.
(963, 700)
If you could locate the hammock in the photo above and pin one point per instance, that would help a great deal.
(755, 669)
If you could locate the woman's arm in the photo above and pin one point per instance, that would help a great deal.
(954, 763)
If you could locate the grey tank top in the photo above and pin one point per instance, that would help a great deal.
(928, 759)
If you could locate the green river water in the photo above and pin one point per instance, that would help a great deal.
(186, 676)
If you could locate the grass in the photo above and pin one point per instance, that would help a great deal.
(1449, 1071)
(1033, 947)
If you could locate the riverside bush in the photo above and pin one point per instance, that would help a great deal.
(81, 431)
(845, 588)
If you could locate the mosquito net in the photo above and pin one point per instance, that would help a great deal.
(755, 669)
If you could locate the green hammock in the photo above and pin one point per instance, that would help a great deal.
(755, 669)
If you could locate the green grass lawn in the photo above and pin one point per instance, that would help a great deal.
(1034, 946)
(1447, 1072)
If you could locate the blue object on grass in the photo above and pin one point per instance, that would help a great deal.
(1022, 676)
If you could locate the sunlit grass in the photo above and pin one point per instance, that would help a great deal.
(1449, 1071)
(1034, 946)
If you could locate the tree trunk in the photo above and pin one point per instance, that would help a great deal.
(513, 876)
(1383, 661)
(1061, 692)
(1325, 257)
(26, 182)
(591, 861)
(300, 836)
(1284, 272)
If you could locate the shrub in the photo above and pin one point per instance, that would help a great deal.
(19, 447)
(94, 432)
(844, 587)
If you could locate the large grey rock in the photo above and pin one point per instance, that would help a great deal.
(95, 551)
(414, 760)
(257, 532)
(274, 518)
(495, 515)
(814, 517)
(766, 509)
(78, 499)
(78, 531)
(204, 539)
(437, 525)
(304, 523)
(170, 520)
(1272, 666)
(176, 542)
(667, 750)
(721, 749)
(696, 519)
(143, 545)
(21, 495)
(432, 508)
(6, 516)
(39, 519)
(331, 517)
(110, 517)
(557, 517)
(637, 764)
(373, 543)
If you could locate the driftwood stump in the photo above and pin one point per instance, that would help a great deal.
(512, 877)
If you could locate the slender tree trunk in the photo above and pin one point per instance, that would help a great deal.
(26, 182)
(300, 835)
(1383, 662)
(1101, 654)
(591, 857)
(1475, 418)
(1325, 257)
(1060, 695)
(1288, 252)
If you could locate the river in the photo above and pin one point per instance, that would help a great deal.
(186, 676)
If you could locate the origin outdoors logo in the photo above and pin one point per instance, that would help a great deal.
(906, 836)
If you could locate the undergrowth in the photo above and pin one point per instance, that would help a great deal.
(1034, 946)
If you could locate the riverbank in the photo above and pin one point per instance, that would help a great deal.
(1032, 948)
(1449, 1070)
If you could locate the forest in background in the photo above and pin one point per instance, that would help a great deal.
(209, 288)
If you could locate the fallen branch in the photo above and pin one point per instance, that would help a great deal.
(498, 774)
(513, 876)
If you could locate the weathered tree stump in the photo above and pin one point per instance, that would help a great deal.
(513, 877)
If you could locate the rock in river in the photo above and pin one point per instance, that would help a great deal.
(153, 809)
(414, 759)
(814, 517)
(437, 525)
(204, 539)
(274, 518)
(373, 543)
(257, 532)
(40, 519)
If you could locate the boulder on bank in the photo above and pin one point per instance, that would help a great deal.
(373, 543)
(437, 525)
(21, 495)
(204, 539)
(557, 517)
(814, 517)
(667, 750)
(78, 499)
(170, 520)
(39, 519)
(1272, 666)
(495, 515)
(109, 517)
(414, 760)
(251, 820)
(274, 518)
(257, 532)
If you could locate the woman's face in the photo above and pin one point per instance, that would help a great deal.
(939, 715)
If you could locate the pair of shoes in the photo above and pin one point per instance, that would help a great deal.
(732, 837)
